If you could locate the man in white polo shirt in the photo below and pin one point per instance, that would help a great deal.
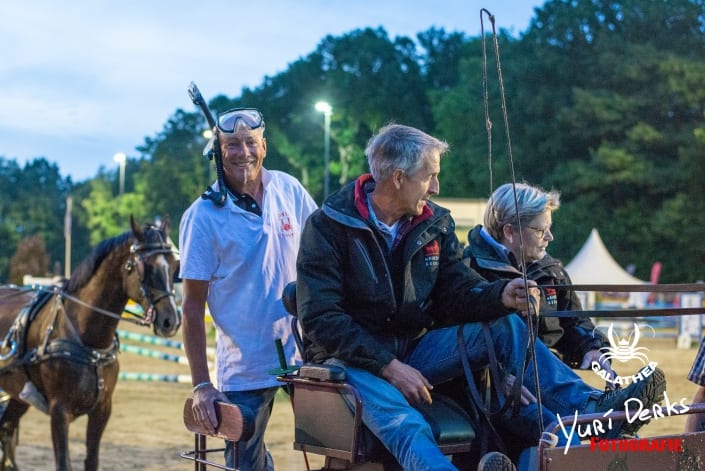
(238, 257)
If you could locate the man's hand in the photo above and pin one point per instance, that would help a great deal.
(516, 297)
(526, 396)
(204, 409)
(412, 384)
(596, 356)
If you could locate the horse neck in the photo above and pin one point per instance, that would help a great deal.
(104, 291)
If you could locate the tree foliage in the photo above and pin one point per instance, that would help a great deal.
(31, 258)
(603, 101)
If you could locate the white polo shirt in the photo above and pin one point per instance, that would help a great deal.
(248, 260)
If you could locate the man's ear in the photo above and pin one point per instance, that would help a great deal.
(397, 178)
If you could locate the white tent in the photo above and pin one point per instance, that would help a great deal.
(593, 264)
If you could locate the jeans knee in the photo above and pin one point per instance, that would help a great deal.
(511, 326)
(513, 320)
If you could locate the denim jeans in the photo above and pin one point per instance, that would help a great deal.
(437, 357)
(404, 431)
(252, 454)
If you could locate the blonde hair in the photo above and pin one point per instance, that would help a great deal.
(531, 202)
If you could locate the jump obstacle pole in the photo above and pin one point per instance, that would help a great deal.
(156, 354)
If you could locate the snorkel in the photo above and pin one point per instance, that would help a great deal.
(212, 150)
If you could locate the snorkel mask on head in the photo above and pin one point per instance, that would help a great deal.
(230, 120)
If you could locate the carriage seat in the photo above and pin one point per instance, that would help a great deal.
(325, 423)
(235, 423)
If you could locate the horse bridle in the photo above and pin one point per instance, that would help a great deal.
(136, 263)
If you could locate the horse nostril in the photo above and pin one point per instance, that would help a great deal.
(168, 325)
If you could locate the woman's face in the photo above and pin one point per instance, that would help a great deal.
(536, 235)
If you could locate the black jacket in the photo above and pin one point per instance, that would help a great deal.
(364, 304)
(572, 337)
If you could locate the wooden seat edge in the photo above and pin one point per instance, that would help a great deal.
(235, 423)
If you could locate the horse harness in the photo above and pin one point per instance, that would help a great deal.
(73, 349)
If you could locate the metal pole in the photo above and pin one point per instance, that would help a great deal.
(122, 177)
(121, 158)
(325, 108)
(67, 238)
(326, 156)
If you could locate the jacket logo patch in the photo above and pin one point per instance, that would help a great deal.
(285, 227)
(432, 252)
(551, 297)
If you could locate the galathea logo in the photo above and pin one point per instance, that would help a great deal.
(622, 349)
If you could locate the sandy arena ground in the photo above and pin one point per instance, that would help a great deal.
(146, 431)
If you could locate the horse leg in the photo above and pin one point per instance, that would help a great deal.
(60, 419)
(97, 421)
(9, 425)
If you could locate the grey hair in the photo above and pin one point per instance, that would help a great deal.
(532, 201)
(399, 147)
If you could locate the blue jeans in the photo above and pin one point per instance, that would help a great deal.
(404, 431)
(562, 392)
(252, 454)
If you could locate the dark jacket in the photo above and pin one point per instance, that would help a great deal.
(572, 337)
(364, 304)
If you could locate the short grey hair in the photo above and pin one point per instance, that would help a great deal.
(532, 201)
(396, 146)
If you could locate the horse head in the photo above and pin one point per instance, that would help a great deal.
(151, 268)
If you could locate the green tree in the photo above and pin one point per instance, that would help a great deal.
(604, 102)
(443, 53)
(172, 171)
(31, 258)
(108, 215)
(32, 202)
(478, 160)
(612, 92)
(80, 235)
(368, 79)
(9, 233)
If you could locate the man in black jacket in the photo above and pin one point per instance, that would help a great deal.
(381, 287)
(495, 252)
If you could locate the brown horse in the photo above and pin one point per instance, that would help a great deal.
(58, 349)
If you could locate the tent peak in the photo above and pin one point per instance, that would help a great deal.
(593, 264)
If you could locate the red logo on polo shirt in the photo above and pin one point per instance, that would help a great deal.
(285, 227)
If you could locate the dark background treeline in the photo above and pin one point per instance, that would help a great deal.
(605, 103)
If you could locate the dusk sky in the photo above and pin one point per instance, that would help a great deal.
(83, 80)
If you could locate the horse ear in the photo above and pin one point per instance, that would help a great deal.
(136, 230)
(165, 224)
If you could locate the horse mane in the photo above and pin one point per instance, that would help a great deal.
(85, 270)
